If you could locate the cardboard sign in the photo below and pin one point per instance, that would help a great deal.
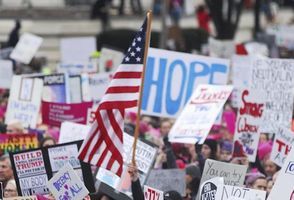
(171, 78)
(6, 73)
(228, 192)
(98, 84)
(284, 185)
(209, 188)
(152, 194)
(77, 49)
(167, 179)
(22, 198)
(67, 185)
(248, 122)
(283, 143)
(26, 48)
(221, 48)
(55, 113)
(71, 131)
(76, 68)
(109, 59)
(233, 174)
(274, 77)
(24, 101)
(200, 113)
(17, 142)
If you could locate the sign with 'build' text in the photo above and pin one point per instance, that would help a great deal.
(171, 77)
(200, 113)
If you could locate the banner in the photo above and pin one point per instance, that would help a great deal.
(233, 174)
(26, 48)
(17, 142)
(283, 143)
(6, 74)
(275, 78)
(228, 192)
(167, 179)
(208, 189)
(67, 185)
(109, 59)
(248, 121)
(55, 113)
(24, 101)
(284, 185)
(152, 194)
(197, 118)
(70, 132)
(171, 77)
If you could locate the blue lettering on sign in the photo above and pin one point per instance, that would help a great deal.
(159, 79)
(61, 181)
(290, 168)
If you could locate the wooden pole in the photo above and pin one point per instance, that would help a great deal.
(147, 41)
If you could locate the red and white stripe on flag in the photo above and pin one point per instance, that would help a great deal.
(103, 146)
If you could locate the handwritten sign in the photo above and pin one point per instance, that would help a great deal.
(26, 48)
(71, 131)
(17, 142)
(76, 68)
(152, 194)
(200, 113)
(233, 174)
(67, 185)
(208, 188)
(167, 179)
(55, 113)
(98, 84)
(275, 77)
(248, 122)
(228, 192)
(110, 59)
(283, 143)
(171, 78)
(6, 73)
(24, 101)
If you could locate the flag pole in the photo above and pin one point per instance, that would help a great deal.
(147, 41)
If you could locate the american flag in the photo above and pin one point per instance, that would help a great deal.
(104, 145)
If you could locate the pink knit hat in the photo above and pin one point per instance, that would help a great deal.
(264, 149)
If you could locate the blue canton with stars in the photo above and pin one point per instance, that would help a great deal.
(135, 54)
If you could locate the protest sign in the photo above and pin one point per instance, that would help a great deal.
(167, 179)
(6, 73)
(197, 118)
(152, 194)
(275, 78)
(67, 185)
(5, 52)
(24, 101)
(283, 143)
(248, 122)
(233, 174)
(71, 131)
(55, 113)
(228, 192)
(171, 77)
(283, 35)
(221, 48)
(257, 49)
(76, 68)
(22, 198)
(109, 59)
(77, 49)
(17, 142)
(284, 180)
(75, 88)
(98, 84)
(208, 188)
(26, 48)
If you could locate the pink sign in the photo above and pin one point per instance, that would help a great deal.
(55, 113)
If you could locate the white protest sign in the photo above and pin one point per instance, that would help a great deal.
(26, 48)
(76, 68)
(221, 48)
(98, 84)
(209, 188)
(228, 192)
(171, 78)
(248, 121)
(283, 35)
(200, 113)
(6, 74)
(24, 101)
(284, 185)
(283, 143)
(67, 185)
(257, 49)
(152, 194)
(233, 174)
(109, 59)
(77, 49)
(275, 78)
(71, 131)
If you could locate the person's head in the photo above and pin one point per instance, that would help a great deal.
(14, 127)
(270, 168)
(6, 171)
(172, 195)
(263, 138)
(47, 141)
(10, 189)
(226, 151)
(165, 126)
(192, 171)
(256, 181)
(209, 149)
